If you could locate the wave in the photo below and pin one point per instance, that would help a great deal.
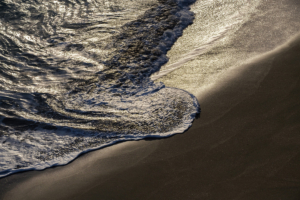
(75, 78)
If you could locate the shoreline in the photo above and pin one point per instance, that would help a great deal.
(245, 145)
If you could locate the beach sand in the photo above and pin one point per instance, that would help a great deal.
(245, 145)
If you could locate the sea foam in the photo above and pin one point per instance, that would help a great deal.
(79, 100)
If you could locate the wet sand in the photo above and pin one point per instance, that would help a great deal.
(245, 145)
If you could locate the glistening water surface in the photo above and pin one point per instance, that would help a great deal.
(80, 75)
(75, 77)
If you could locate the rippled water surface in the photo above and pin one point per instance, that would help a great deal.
(80, 75)
(74, 76)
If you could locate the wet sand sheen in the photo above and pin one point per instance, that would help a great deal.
(246, 145)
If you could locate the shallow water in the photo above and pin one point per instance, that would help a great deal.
(80, 75)
(225, 34)
(75, 77)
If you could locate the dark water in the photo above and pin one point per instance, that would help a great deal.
(74, 76)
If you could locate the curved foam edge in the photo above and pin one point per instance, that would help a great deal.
(179, 130)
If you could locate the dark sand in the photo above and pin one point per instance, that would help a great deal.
(246, 145)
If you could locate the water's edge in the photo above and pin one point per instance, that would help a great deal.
(120, 103)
